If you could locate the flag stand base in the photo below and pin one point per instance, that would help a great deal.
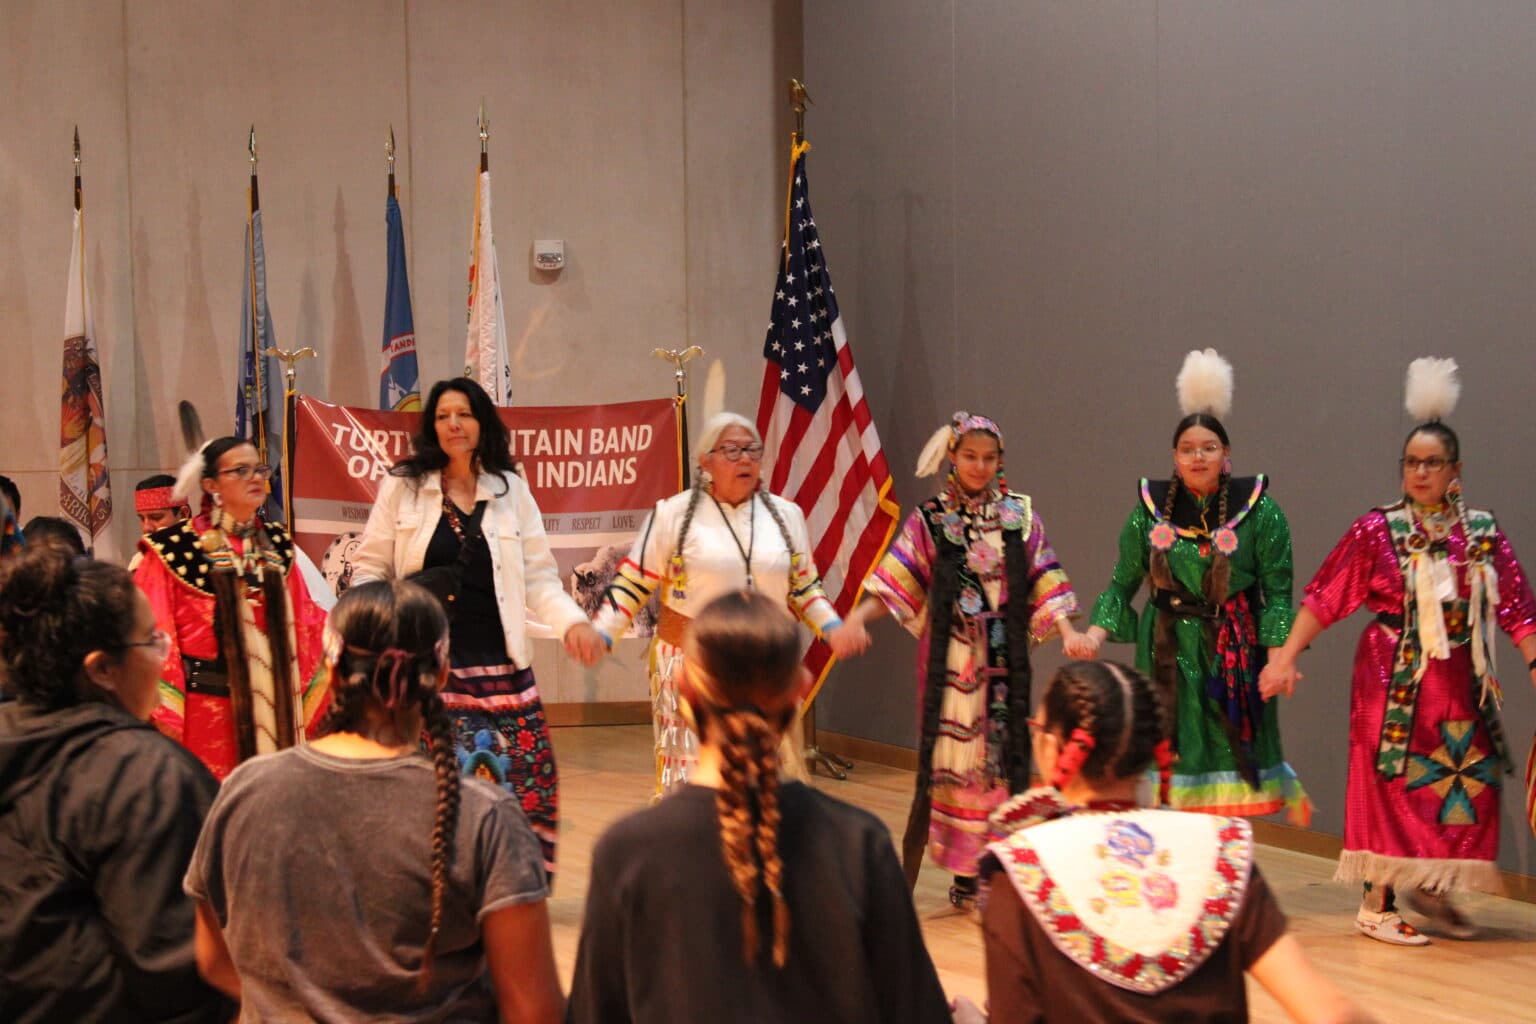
(831, 765)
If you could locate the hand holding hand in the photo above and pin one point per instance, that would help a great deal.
(849, 640)
(1080, 645)
(1279, 677)
(585, 644)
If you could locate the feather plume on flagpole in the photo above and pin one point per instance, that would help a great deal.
(713, 403)
(1432, 389)
(1205, 384)
(931, 459)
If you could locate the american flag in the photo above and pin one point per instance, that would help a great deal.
(822, 451)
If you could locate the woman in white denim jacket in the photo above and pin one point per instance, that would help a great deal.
(457, 509)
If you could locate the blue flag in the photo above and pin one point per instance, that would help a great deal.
(259, 389)
(399, 384)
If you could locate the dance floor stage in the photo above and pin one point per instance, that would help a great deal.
(605, 772)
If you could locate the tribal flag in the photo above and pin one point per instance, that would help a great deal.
(485, 349)
(399, 383)
(85, 488)
(822, 451)
(259, 390)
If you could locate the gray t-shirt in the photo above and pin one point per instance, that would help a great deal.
(320, 870)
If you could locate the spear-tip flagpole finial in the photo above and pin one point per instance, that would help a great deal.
(77, 150)
(389, 149)
(484, 124)
(250, 146)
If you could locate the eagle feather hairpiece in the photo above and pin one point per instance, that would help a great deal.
(1432, 389)
(189, 477)
(931, 460)
(1205, 384)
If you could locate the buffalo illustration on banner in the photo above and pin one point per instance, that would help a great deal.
(596, 472)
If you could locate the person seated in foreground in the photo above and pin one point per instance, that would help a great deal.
(1099, 911)
(98, 812)
(738, 897)
(323, 894)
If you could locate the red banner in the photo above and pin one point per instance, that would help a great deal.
(596, 471)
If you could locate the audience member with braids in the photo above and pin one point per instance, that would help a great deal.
(99, 813)
(741, 897)
(423, 883)
(725, 533)
(1215, 552)
(973, 576)
(1097, 911)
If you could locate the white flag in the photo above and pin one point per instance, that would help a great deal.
(485, 349)
(85, 488)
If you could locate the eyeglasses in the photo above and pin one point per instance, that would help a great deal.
(246, 472)
(159, 643)
(734, 452)
(1205, 451)
(1434, 464)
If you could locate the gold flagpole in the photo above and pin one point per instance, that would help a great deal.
(289, 360)
(679, 359)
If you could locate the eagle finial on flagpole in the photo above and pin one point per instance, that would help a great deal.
(799, 99)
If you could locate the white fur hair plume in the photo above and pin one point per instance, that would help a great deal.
(713, 402)
(1205, 384)
(931, 460)
(1432, 389)
(189, 478)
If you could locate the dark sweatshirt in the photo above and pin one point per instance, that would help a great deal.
(99, 814)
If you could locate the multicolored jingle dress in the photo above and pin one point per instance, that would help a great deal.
(981, 572)
(1220, 597)
(760, 544)
(1426, 750)
(246, 640)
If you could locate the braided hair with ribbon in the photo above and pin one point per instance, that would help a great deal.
(386, 650)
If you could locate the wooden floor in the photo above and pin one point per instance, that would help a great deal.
(605, 772)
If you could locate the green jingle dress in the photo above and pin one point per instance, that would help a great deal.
(1209, 637)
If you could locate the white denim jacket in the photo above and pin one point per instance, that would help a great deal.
(405, 516)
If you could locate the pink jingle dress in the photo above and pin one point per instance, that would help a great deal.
(1433, 825)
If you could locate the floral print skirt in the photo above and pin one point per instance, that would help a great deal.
(500, 735)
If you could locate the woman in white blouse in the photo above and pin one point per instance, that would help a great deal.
(456, 515)
(725, 534)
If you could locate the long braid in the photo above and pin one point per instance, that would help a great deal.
(778, 519)
(739, 772)
(768, 835)
(347, 705)
(1174, 483)
(445, 765)
(682, 532)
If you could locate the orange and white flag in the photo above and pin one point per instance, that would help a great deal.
(485, 348)
(85, 487)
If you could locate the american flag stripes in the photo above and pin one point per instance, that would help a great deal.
(822, 450)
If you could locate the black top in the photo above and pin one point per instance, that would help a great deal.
(98, 817)
(476, 622)
(662, 941)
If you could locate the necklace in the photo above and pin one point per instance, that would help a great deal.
(746, 552)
